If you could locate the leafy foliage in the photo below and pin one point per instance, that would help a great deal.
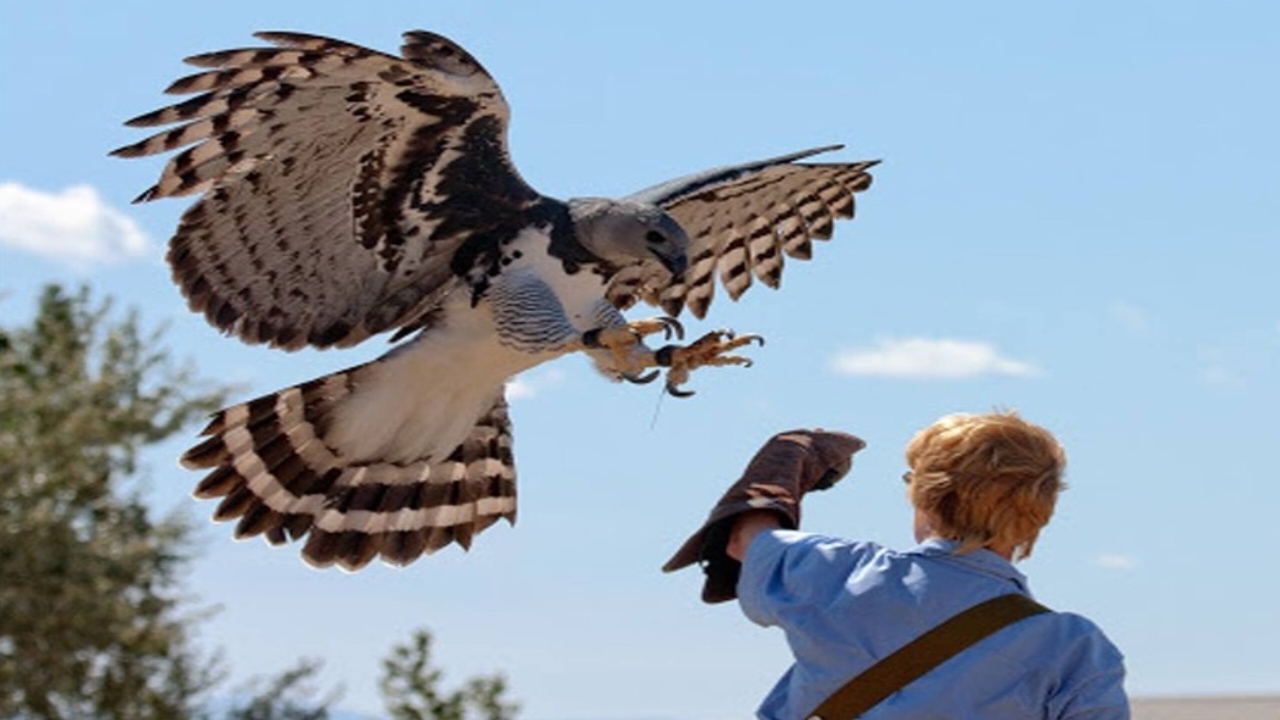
(411, 688)
(287, 696)
(91, 621)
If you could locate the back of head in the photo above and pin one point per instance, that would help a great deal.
(988, 480)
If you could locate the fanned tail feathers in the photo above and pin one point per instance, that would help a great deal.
(278, 478)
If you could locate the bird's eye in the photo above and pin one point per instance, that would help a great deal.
(655, 238)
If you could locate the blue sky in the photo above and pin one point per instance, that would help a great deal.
(1075, 218)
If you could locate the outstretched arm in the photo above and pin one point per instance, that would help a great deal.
(745, 529)
(769, 492)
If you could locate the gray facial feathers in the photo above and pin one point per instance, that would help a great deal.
(621, 232)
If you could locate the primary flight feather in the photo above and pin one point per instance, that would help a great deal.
(344, 193)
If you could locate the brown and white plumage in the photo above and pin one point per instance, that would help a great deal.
(742, 221)
(344, 193)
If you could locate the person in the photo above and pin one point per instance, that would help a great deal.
(982, 487)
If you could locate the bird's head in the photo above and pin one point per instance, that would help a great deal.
(622, 232)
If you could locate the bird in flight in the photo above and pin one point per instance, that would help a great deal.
(344, 193)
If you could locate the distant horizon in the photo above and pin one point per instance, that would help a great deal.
(1145, 708)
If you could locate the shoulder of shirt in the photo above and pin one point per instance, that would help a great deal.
(792, 542)
(1080, 629)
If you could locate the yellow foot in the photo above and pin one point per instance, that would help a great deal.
(623, 343)
(623, 338)
(710, 349)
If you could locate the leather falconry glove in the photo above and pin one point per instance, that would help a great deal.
(789, 465)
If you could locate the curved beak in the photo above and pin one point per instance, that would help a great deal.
(675, 264)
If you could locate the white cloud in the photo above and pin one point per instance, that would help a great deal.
(930, 358)
(519, 389)
(74, 227)
(1217, 369)
(528, 385)
(1116, 561)
(1129, 316)
(1220, 376)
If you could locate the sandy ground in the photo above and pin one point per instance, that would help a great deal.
(1261, 707)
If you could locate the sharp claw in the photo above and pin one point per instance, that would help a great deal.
(641, 379)
(672, 326)
(674, 391)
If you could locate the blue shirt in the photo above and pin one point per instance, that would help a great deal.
(844, 605)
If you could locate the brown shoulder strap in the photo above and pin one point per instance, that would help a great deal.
(923, 654)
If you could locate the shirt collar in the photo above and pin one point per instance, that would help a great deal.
(982, 560)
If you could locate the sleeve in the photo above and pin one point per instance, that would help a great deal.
(1094, 687)
(785, 573)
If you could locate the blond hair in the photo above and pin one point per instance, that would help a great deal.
(986, 480)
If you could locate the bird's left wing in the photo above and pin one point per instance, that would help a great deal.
(741, 221)
(338, 182)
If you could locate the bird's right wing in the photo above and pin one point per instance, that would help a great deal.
(338, 184)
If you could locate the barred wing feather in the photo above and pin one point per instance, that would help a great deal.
(337, 183)
(742, 221)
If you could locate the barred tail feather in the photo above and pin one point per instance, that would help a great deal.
(276, 475)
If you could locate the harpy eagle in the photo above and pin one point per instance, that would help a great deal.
(345, 193)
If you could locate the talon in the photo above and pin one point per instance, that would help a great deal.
(674, 391)
(670, 327)
(629, 363)
(641, 379)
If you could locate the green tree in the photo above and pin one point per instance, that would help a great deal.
(92, 619)
(411, 688)
(410, 691)
(286, 696)
(93, 623)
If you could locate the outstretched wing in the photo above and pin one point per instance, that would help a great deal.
(741, 221)
(338, 183)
